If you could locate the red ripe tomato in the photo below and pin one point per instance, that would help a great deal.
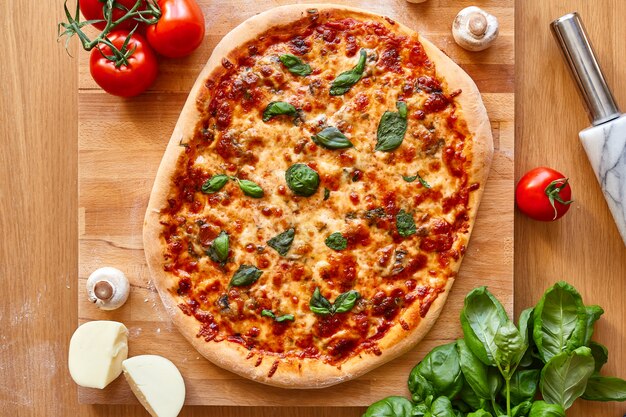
(125, 80)
(179, 31)
(543, 194)
(92, 10)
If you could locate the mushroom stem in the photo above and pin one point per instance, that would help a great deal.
(477, 24)
(103, 290)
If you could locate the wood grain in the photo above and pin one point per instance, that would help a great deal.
(584, 247)
(121, 143)
(38, 207)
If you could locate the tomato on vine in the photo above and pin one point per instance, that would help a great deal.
(179, 31)
(543, 194)
(124, 64)
(94, 10)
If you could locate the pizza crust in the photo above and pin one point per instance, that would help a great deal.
(306, 373)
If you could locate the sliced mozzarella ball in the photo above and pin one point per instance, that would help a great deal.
(97, 349)
(157, 384)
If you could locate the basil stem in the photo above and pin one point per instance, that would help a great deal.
(302, 180)
(332, 138)
(218, 251)
(282, 242)
(276, 108)
(391, 129)
(245, 275)
(405, 224)
(336, 241)
(295, 65)
(214, 184)
(344, 82)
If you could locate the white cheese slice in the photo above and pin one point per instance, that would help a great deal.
(157, 384)
(97, 349)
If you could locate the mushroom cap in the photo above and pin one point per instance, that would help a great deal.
(108, 288)
(474, 29)
(416, 1)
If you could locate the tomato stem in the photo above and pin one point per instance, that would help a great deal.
(74, 26)
(553, 191)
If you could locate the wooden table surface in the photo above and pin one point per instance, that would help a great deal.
(38, 207)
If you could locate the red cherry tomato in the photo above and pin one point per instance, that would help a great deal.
(92, 10)
(129, 79)
(179, 31)
(543, 194)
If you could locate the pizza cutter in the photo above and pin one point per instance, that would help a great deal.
(605, 140)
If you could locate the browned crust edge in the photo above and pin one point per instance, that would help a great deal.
(306, 373)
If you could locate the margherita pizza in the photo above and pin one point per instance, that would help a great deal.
(317, 195)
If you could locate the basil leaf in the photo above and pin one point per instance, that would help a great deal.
(525, 325)
(282, 242)
(344, 82)
(495, 382)
(336, 241)
(480, 413)
(523, 386)
(276, 108)
(390, 407)
(295, 65)
(474, 370)
(284, 317)
(405, 224)
(564, 378)
(592, 314)
(543, 409)
(510, 348)
(214, 184)
(245, 275)
(345, 301)
(218, 251)
(332, 138)
(442, 407)
(441, 367)
(320, 304)
(559, 321)
(326, 194)
(481, 317)
(391, 129)
(268, 313)
(601, 388)
(251, 188)
(600, 354)
(417, 177)
(419, 386)
(521, 409)
(302, 180)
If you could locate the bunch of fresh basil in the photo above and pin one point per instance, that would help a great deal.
(500, 369)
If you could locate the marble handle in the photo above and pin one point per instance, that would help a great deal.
(605, 145)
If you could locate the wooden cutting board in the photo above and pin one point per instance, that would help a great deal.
(120, 146)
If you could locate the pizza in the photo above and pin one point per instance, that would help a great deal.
(316, 198)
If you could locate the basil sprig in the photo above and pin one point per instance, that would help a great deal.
(251, 188)
(332, 138)
(218, 251)
(391, 128)
(245, 275)
(279, 319)
(405, 225)
(214, 184)
(344, 82)
(276, 108)
(282, 241)
(417, 177)
(302, 180)
(336, 241)
(295, 65)
(343, 303)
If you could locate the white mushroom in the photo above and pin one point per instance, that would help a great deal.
(108, 288)
(474, 29)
